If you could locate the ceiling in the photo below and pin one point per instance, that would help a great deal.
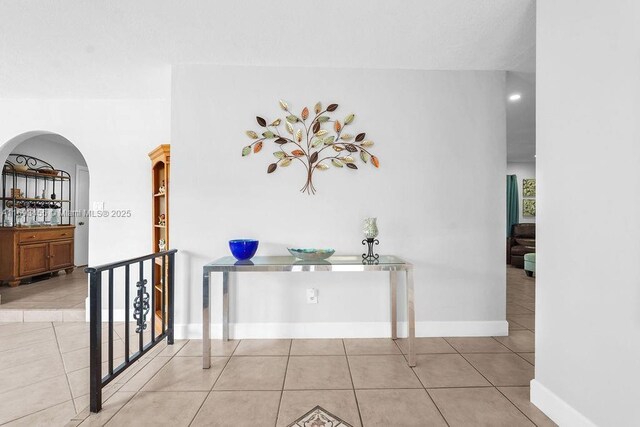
(124, 48)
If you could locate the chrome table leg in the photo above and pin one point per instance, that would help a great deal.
(393, 277)
(225, 306)
(411, 316)
(206, 320)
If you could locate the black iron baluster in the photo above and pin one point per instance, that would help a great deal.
(140, 329)
(163, 277)
(111, 321)
(95, 340)
(153, 299)
(171, 297)
(126, 313)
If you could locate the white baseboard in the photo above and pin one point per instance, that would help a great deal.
(481, 328)
(557, 409)
(486, 328)
(344, 330)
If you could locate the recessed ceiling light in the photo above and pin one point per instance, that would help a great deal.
(514, 97)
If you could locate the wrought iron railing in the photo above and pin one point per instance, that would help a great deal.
(161, 302)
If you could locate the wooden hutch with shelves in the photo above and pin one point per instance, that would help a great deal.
(35, 237)
(160, 172)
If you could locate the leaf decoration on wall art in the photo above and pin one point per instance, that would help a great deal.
(307, 139)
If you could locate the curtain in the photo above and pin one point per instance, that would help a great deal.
(512, 202)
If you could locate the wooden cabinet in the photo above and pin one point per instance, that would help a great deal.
(35, 237)
(27, 252)
(33, 259)
(60, 254)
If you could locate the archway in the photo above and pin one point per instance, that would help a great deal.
(44, 225)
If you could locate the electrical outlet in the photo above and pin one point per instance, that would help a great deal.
(312, 296)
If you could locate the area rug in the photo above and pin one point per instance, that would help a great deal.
(319, 417)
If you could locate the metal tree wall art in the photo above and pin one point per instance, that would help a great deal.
(316, 142)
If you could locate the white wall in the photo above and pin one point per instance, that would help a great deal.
(588, 283)
(522, 171)
(438, 195)
(114, 137)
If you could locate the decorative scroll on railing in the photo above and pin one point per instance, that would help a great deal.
(160, 297)
(141, 306)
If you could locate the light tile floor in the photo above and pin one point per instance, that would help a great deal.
(458, 381)
(59, 298)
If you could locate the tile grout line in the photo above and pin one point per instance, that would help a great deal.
(521, 306)
(20, 347)
(420, 381)
(36, 412)
(487, 379)
(119, 386)
(22, 332)
(355, 395)
(214, 383)
(66, 375)
(340, 389)
(19, 364)
(325, 355)
(42, 378)
(522, 412)
(534, 366)
(154, 375)
(504, 345)
(284, 380)
(37, 382)
(473, 366)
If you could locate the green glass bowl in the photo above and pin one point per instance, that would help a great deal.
(309, 254)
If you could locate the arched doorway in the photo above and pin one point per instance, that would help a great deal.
(44, 225)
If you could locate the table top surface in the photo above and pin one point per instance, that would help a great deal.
(290, 263)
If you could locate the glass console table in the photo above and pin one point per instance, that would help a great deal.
(352, 263)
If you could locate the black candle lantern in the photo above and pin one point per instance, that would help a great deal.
(370, 230)
(370, 255)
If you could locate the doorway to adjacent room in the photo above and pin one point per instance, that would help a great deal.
(44, 229)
